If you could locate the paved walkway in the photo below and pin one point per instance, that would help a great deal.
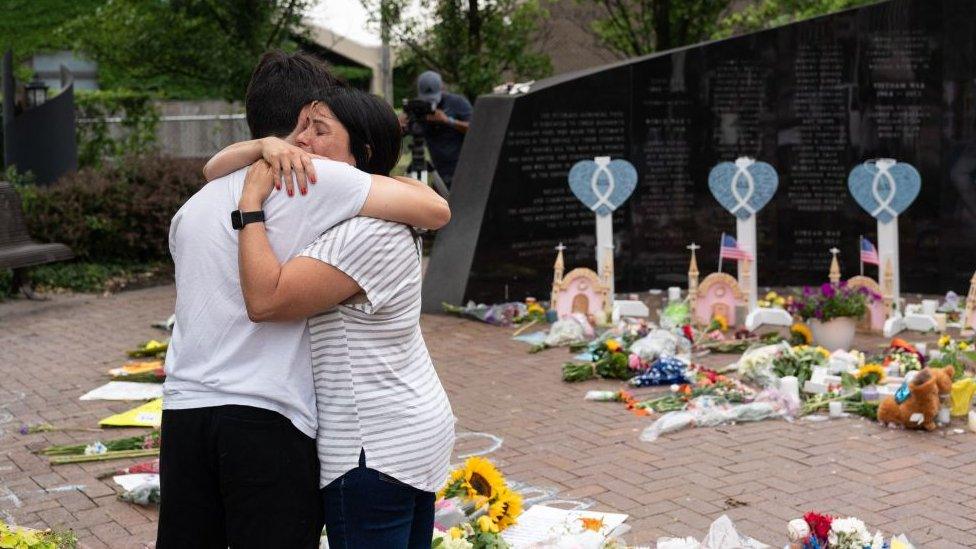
(538, 429)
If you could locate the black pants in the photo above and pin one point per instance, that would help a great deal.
(237, 476)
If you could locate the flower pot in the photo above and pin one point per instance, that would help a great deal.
(834, 334)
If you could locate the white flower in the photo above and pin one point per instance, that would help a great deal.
(798, 529)
(848, 533)
(878, 542)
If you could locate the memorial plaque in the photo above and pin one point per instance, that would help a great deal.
(814, 99)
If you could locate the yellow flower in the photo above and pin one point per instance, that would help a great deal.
(612, 345)
(963, 346)
(723, 323)
(455, 533)
(802, 330)
(506, 509)
(771, 296)
(823, 352)
(871, 369)
(486, 525)
(535, 308)
(456, 480)
(483, 479)
(944, 341)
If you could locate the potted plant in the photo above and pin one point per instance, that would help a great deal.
(832, 312)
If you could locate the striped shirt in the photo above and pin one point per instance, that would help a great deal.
(375, 385)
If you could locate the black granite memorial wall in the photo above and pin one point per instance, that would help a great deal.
(814, 99)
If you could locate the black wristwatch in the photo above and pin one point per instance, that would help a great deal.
(239, 219)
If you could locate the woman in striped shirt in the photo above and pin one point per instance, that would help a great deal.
(386, 429)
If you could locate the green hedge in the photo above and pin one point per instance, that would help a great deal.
(113, 213)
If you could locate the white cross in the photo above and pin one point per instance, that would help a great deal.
(560, 247)
(834, 251)
(693, 246)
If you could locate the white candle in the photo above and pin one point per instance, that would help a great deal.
(674, 293)
(836, 408)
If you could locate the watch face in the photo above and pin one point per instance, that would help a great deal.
(236, 220)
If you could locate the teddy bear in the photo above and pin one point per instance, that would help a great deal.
(920, 408)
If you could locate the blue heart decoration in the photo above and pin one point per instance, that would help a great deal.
(603, 184)
(884, 188)
(741, 201)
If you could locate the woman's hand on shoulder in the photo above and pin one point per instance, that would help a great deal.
(287, 160)
(257, 186)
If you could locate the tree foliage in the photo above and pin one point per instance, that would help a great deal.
(474, 44)
(30, 26)
(764, 14)
(184, 48)
(637, 27)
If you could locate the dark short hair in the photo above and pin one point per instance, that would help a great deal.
(281, 84)
(373, 127)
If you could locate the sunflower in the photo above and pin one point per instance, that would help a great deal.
(944, 341)
(506, 508)
(801, 333)
(482, 479)
(871, 374)
(454, 486)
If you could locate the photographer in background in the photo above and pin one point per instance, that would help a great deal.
(444, 128)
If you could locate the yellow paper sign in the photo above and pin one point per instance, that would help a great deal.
(962, 396)
(149, 414)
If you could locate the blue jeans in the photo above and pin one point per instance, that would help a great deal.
(365, 509)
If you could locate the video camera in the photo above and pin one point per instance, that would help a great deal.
(417, 108)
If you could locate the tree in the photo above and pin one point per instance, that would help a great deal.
(764, 14)
(184, 48)
(637, 27)
(29, 26)
(473, 44)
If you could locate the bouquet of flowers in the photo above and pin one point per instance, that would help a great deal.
(474, 507)
(832, 301)
(611, 361)
(903, 356)
(799, 361)
(773, 300)
(960, 354)
(137, 446)
(18, 537)
(150, 349)
(821, 531)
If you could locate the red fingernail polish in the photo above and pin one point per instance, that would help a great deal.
(304, 192)
(291, 192)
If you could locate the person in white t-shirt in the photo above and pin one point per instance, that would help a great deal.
(239, 465)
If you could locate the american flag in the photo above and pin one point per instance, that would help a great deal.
(869, 254)
(730, 249)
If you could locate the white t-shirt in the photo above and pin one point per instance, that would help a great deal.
(217, 356)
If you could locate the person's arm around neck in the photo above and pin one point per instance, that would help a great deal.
(300, 288)
(407, 201)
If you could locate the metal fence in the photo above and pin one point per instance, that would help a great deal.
(194, 129)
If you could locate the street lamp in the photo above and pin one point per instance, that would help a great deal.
(36, 92)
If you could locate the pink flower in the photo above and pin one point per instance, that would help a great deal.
(635, 363)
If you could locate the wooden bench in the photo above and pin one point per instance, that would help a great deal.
(17, 250)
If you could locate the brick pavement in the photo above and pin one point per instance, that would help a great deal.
(545, 437)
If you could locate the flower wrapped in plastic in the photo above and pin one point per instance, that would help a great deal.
(666, 370)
